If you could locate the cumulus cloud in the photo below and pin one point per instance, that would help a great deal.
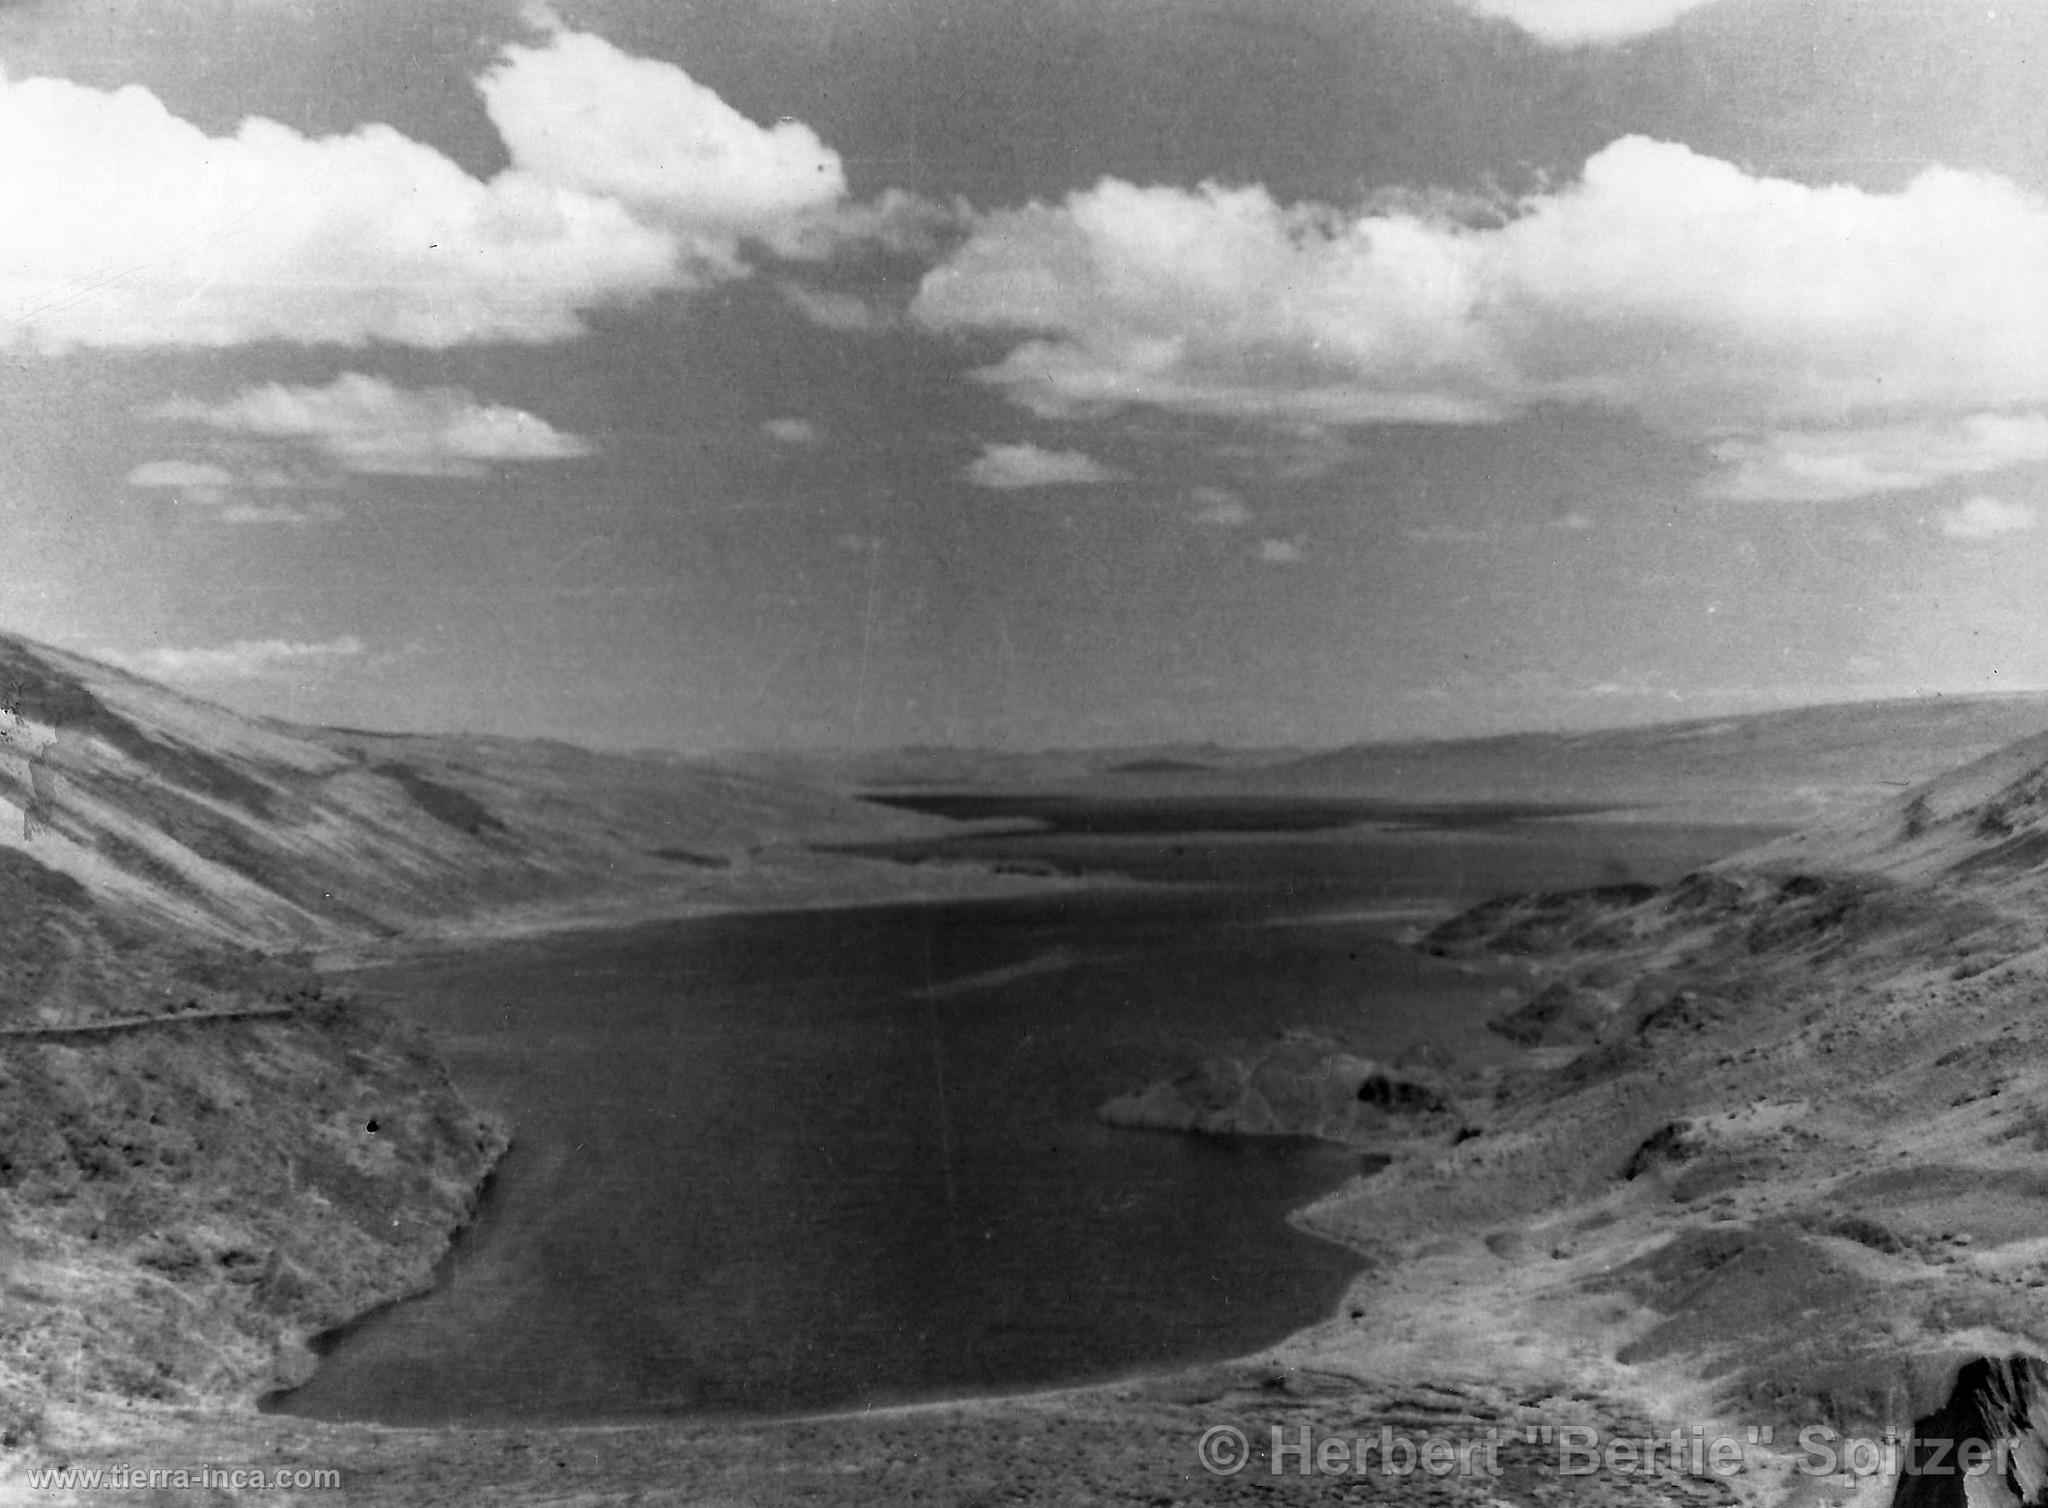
(1009, 467)
(1573, 23)
(123, 225)
(368, 425)
(244, 659)
(791, 431)
(1982, 518)
(1750, 312)
(1217, 300)
(578, 113)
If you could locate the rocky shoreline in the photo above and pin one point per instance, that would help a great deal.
(206, 1160)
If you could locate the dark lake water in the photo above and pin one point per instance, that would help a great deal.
(813, 1159)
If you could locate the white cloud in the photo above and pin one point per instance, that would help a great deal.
(276, 513)
(1579, 22)
(1982, 518)
(1576, 521)
(197, 480)
(122, 225)
(1218, 300)
(244, 659)
(367, 425)
(210, 487)
(1281, 551)
(791, 431)
(1013, 466)
(578, 113)
(1823, 465)
(1715, 304)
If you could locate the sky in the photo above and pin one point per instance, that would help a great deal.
(716, 374)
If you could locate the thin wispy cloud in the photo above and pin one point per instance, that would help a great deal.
(1220, 510)
(214, 492)
(792, 431)
(1985, 518)
(1580, 23)
(197, 480)
(1281, 552)
(243, 659)
(1011, 467)
(845, 312)
(1828, 465)
(276, 513)
(369, 426)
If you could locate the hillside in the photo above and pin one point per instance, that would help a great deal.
(1774, 1155)
(170, 810)
(205, 1160)
(207, 1156)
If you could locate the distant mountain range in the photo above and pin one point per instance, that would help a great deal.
(1775, 768)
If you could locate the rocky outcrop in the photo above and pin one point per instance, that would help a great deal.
(1299, 1085)
(1987, 1445)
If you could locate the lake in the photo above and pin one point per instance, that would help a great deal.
(805, 1160)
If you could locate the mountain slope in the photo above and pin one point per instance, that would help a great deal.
(259, 832)
(1981, 828)
(1776, 1155)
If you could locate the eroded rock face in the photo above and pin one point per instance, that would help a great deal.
(1300, 1085)
(1987, 1446)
